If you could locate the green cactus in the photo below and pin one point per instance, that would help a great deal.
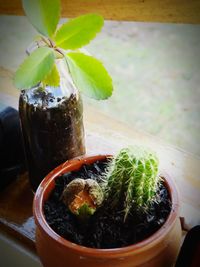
(132, 177)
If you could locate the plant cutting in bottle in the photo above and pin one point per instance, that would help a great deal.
(88, 73)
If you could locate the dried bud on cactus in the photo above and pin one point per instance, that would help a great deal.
(82, 197)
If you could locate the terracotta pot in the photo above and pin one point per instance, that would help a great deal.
(159, 250)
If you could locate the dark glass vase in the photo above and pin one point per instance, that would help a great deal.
(52, 125)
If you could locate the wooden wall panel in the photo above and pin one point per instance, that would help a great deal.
(178, 11)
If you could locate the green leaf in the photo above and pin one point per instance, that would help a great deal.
(34, 68)
(52, 78)
(79, 31)
(89, 75)
(43, 15)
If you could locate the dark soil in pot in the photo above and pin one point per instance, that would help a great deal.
(106, 228)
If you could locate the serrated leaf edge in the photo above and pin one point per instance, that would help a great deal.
(28, 87)
(89, 75)
(86, 43)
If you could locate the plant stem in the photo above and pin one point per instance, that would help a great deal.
(51, 43)
(59, 51)
(45, 40)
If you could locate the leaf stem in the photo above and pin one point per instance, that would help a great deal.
(59, 51)
(51, 43)
(45, 40)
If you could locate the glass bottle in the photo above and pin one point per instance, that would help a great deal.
(52, 125)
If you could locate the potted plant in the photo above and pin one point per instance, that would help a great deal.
(108, 211)
(51, 79)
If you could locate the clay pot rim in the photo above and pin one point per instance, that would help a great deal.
(48, 184)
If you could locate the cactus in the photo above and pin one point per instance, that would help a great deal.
(132, 177)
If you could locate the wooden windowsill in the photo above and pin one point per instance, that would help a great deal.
(173, 11)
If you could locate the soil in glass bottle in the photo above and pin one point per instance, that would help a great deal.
(52, 126)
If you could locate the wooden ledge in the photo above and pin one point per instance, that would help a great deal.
(175, 11)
